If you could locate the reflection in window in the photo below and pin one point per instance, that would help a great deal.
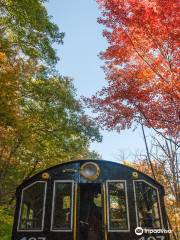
(32, 206)
(118, 218)
(62, 212)
(98, 200)
(147, 205)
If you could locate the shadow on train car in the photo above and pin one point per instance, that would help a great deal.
(90, 200)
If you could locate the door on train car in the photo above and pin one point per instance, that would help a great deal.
(90, 224)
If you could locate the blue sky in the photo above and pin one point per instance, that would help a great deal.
(79, 59)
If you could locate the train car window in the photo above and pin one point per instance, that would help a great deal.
(147, 205)
(31, 216)
(118, 218)
(62, 206)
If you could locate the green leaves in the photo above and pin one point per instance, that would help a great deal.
(27, 29)
(41, 121)
(5, 223)
(56, 120)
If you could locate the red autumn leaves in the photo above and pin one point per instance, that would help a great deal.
(141, 65)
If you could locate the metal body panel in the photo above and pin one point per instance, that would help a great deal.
(109, 171)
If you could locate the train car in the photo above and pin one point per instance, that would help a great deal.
(90, 200)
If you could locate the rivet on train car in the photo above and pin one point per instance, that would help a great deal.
(135, 175)
(45, 176)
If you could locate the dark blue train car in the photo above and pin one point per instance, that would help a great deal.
(90, 200)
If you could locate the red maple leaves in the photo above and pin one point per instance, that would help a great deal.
(141, 65)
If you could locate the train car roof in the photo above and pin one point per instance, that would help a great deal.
(89, 160)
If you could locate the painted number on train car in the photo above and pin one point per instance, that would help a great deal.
(33, 238)
(152, 238)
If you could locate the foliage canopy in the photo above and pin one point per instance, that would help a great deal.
(141, 65)
(42, 123)
(25, 27)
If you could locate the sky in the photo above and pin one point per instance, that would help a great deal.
(79, 60)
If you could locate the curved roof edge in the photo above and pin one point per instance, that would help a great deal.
(92, 160)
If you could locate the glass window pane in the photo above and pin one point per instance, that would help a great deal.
(62, 219)
(32, 206)
(147, 205)
(117, 206)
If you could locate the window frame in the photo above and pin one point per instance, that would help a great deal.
(53, 203)
(44, 206)
(127, 206)
(159, 204)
